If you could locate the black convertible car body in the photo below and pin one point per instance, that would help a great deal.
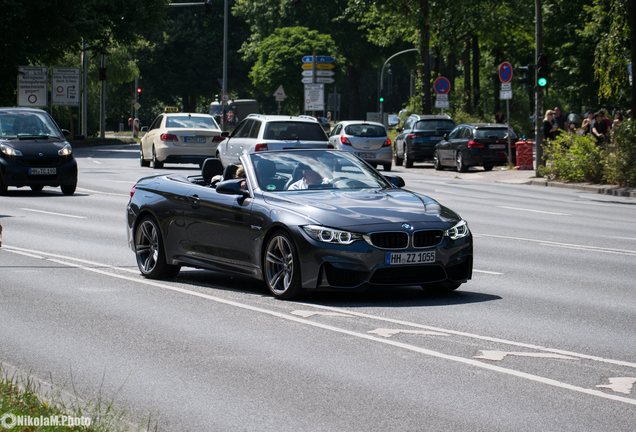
(352, 229)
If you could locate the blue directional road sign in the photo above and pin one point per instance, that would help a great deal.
(319, 59)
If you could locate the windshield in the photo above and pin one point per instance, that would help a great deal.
(313, 169)
(294, 130)
(434, 124)
(18, 124)
(365, 130)
(192, 122)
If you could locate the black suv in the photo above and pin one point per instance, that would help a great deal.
(34, 152)
(416, 141)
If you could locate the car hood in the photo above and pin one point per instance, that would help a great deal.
(364, 207)
(33, 147)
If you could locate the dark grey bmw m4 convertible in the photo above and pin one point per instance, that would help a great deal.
(298, 220)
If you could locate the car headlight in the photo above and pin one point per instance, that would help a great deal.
(459, 230)
(66, 150)
(9, 151)
(331, 235)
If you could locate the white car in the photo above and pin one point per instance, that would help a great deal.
(258, 132)
(367, 140)
(180, 138)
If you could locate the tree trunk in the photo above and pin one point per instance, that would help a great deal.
(424, 65)
(631, 10)
(467, 79)
(189, 103)
(495, 81)
(476, 86)
(451, 65)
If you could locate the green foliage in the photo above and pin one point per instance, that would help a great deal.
(573, 158)
(620, 166)
(279, 58)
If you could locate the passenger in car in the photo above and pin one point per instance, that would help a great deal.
(309, 178)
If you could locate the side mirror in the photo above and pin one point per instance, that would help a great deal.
(232, 187)
(396, 181)
(225, 134)
(66, 132)
(144, 128)
(446, 136)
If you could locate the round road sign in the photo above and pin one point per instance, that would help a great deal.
(441, 85)
(505, 72)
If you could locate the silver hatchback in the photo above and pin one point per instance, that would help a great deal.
(368, 140)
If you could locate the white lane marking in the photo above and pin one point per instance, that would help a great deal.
(22, 251)
(308, 314)
(534, 211)
(95, 161)
(487, 272)
(500, 355)
(589, 249)
(387, 333)
(104, 193)
(26, 254)
(620, 384)
(552, 243)
(53, 213)
(413, 348)
(474, 336)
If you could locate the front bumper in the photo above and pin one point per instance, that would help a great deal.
(17, 172)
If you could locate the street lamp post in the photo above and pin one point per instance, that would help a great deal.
(381, 89)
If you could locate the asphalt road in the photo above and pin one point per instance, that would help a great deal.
(543, 337)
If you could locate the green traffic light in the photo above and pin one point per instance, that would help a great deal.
(542, 82)
(381, 99)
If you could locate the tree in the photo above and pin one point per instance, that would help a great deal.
(278, 59)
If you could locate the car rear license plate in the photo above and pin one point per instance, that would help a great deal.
(43, 171)
(401, 258)
(365, 155)
(497, 146)
(194, 139)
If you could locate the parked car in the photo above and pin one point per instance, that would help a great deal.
(34, 152)
(367, 140)
(260, 132)
(416, 141)
(351, 229)
(479, 144)
(179, 138)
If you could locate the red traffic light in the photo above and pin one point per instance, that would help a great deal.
(138, 90)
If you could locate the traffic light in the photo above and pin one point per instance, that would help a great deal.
(542, 70)
(138, 90)
(381, 99)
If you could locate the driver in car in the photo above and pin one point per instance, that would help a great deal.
(309, 178)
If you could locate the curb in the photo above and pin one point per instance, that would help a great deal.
(588, 187)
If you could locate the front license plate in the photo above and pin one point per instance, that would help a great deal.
(365, 155)
(497, 146)
(401, 258)
(194, 139)
(42, 171)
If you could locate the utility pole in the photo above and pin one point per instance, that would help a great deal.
(538, 91)
(84, 87)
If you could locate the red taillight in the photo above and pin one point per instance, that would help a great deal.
(133, 190)
(217, 138)
(475, 144)
(168, 137)
(387, 143)
(410, 136)
(344, 140)
(260, 147)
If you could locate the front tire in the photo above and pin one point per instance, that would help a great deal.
(436, 162)
(37, 188)
(281, 266)
(142, 161)
(69, 189)
(387, 166)
(488, 167)
(150, 251)
(3, 187)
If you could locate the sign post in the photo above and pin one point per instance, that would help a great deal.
(505, 77)
(279, 96)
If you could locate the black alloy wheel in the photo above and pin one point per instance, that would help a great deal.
(281, 266)
(150, 252)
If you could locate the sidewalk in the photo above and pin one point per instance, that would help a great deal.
(514, 176)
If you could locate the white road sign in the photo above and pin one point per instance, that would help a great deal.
(279, 94)
(314, 97)
(32, 86)
(65, 86)
(441, 100)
